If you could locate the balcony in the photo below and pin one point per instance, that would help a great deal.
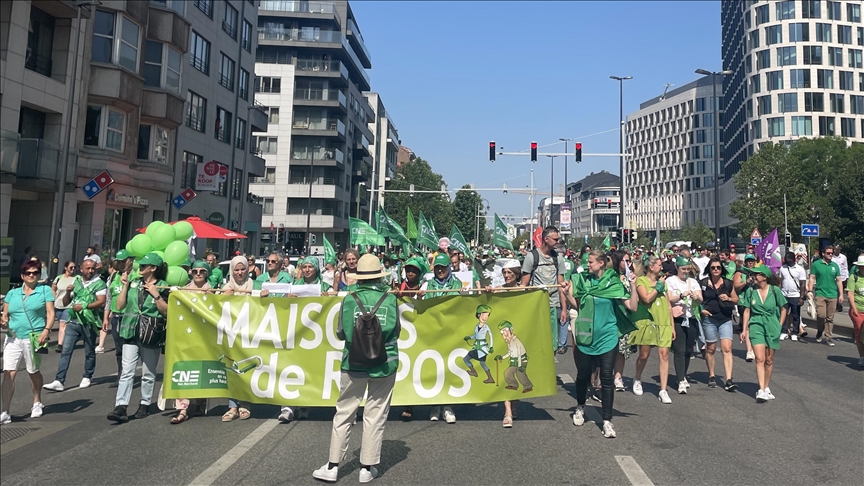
(362, 78)
(321, 127)
(229, 29)
(39, 159)
(357, 40)
(361, 170)
(332, 98)
(324, 157)
(361, 145)
(271, 179)
(322, 188)
(322, 69)
(258, 117)
(277, 34)
(298, 9)
(9, 152)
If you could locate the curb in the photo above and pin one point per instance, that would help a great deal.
(840, 329)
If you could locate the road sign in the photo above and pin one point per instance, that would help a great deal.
(755, 241)
(183, 198)
(755, 234)
(810, 230)
(97, 184)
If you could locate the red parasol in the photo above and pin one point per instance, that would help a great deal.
(203, 229)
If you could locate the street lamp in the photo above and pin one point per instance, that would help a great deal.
(552, 191)
(309, 201)
(565, 140)
(716, 131)
(622, 197)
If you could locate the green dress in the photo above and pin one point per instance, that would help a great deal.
(764, 324)
(656, 331)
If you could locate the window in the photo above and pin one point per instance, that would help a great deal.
(860, 31)
(763, 59)
(273, 115)
(115, 41)
(205, 6)
(700, 136)
(786, 10)
(40, 42)
(246, 36)
(813, 55)
(847, 80)
(763, 104)
(199, 53)
(755, 84)
(196, 111)
(799, 33)
(754, 39)
(814, 102)
(860, 81)
(835, 56)
(853, 13)
(153, 143)
(844, 34)
(762, 14)
(756, 129)
(825, 78)
(268, 206)
(786, 56)
(267, 145)
(776, 127)
(774, 80)
(823, 32)
(799, 78)
(810, 9)
(836, 100)
(856, 104)
(237, 184)
(847, 127)
(240, 136)
(226, 72)
(229, 23)
(104, 128)
(243, 88)
(700, 104)
(268, 85)
(774, 34)
(162, 66)
(833, 9)
(748, 64)
(787, 102)
(178, 6)
(190, 169)
(826, 126)
(223, 125)
(855, 58)
(802, 126)
(707, 119)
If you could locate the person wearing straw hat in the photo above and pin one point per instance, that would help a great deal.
(375, 381)
(764, 310)
(855, 289)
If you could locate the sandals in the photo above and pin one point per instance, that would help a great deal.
(508, 422)
(407, 413)
(230, 416)
(244, 413)
(180, 418)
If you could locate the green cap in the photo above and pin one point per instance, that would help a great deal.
(441, 260)
(122, 255)
(393, 257)
(505, 325)
(681, 262)
(749, 256)
(483, 308)
(419, 263)
(186, 263)
(202, 264)
(151, 259)
(762, 269)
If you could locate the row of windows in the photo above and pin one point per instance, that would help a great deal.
(813, 102)
(802, 126)
(800, 78)
(801, 33)
(810, 9)
(811, 55)
(673, 112)
(105, 127)
(199, 58)
(190, 168)
(196, 119)
(230, 21)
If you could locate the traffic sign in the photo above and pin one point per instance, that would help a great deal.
(755, 234)
(755, 241)
(810, 230)
(183, 198)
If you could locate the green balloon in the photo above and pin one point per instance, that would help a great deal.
(129, 248)
(177, 276)
(184, 230)
(163, 236)
(140, 245)
(176, 253)
(161, 254)
(151, 228)
(135, 266)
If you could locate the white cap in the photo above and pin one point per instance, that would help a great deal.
(511, 263)
(860, 261)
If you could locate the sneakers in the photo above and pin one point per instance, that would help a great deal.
(100, 349)
(637, 388)
(686, 383)
(794, 337)
(287, 415)
(619, 384)
(784, 336)
(119, 414)
(36, 411)
(579, 416)
(366, 476)
(750, 356)
(54, 386)
(818, 337)
(608, 430)
(829, 342)
(663, 396)
(449, 416)
(326, 474)
(761, 396)
(730, 385)
(435, 414)
(712, 382)
(142, 412)
(682, 388)
(85, 383)
(768, 394)
(5, 418)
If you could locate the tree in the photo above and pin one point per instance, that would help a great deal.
(434, 205)
(523, 238)
(844, 217)
(642, 239)
(465, 206)
(698, 233)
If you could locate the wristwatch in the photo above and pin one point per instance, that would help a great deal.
(158, 297)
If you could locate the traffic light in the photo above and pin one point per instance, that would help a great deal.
(626, 236)
(578, 152)
(788, 241)
(633, 236)
(491, 151)
(279, 235)
(533, 151)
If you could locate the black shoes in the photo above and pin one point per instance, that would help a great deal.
(730, 385)
(142, 412)
(712, 382)
(119, 414)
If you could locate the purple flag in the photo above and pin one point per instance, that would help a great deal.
(769, 251)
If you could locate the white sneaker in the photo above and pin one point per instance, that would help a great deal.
(366, 476)
(325, 474)
(435, 414)
(579, 416)
(54, 386)
(663, 396)
(608, 430)
(686, 383)
(85, 383)
(619, 384)
(761, 397)
(36, 411)
(783, 336)
(768, 394)
(100, 349)
(287, 415)
(449, 416)
(819, 339)
(637, 388)
(750, 356)
(682, 388)
(5, 418)
(794, 337)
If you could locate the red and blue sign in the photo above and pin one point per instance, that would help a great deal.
(97, 184)
(183, 198)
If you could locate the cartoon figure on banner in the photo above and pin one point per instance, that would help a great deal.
(482, 338)
(518, 357)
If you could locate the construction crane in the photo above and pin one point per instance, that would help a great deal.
(668, 85)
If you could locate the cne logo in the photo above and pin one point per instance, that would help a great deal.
(186, 377)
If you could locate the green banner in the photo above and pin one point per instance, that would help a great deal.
(500, 238)
(426, 235)
(329, 252)
(411, 226)
(362, 233)
(458, 241)
(607, 243)
(284, 351)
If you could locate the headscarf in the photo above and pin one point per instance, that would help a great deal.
(419, 264)
(233, 284)
(311, 260)
(191, 285)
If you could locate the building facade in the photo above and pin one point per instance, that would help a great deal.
(798, 71)
(385, 149)
(670, 179)
(311, 56)
(595, 204)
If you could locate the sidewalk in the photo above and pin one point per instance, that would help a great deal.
(842, 324)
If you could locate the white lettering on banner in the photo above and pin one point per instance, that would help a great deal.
(439, 374)
(313, 326)
(407, 326)
(268, 330)
(285, 382)
(463, 390)
(403, 371)
(241, 325)
(292, 327)
(270, 370)
(332, 374)
(330, 328)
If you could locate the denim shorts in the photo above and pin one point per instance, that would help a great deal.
(61, 315)
(714, 327)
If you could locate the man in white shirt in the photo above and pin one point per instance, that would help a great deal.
(842, 262)
(92, 254)
(794, 281)
(701, 261)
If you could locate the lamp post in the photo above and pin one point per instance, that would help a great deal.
(716, 131)
(565, 140)
(309, 202)
(622, 198)
(552, 192)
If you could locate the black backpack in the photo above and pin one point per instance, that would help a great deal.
(367, 342)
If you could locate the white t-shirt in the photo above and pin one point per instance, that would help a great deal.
(701, 262)
(675, 285)
(843, 263)
(791, 285)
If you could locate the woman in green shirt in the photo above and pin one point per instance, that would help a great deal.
(656, 330)
(310, 274)
(764, 310)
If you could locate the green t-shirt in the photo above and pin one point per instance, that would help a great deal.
(282, 277)
(114, 288)
(855, 284)
(215, 278)
(826, 278)
(605, 326)
(129, 321)
(451, 284)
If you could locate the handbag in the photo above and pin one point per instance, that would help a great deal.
(35, 348)
(808, 310)
(152, 331)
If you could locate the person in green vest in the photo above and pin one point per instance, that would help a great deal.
(140, 297)
(310, 274)
(483, 343)
(274, 272)
(443, 278)
(764, 310)
(376, 382)
(216, 277)
(123, 262)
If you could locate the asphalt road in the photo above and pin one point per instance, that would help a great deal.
(813, 433)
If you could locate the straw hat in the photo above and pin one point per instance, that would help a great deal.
(368, 268)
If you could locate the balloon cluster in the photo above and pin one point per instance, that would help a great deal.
(167, 241)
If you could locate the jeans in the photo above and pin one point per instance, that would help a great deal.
(559, 331)
(118, 343)
(562, 330)
(75, 331)
(793, 316)
(585, 366)
(149, 361)
(682, 346)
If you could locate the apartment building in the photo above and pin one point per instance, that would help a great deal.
(385, 149)
(595, 204)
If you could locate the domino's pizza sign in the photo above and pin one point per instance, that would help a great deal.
(97, 184)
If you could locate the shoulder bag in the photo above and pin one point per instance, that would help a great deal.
(152, 331)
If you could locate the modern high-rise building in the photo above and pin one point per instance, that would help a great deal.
(595, 204)
(797, 71)
(310, 68)
(670, 180)
(385, 149)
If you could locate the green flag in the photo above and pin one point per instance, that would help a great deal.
(432, 225)
(329, 252)
(398, 234)
(412, 227)
(426, 235)
(362, 233)
(458, 241)
(607, 243)
(500, 237)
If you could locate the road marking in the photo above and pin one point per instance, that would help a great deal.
(212, 473)
(566, 379)
(634, 473)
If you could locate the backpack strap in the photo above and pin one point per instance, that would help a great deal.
(374, 309)
(535, 254)
(360, 305)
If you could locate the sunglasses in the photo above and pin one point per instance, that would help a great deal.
(32, 274)
(553, 239)
(715, 267)
(199, 271)
(272, 261)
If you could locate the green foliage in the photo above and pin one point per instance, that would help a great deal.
(523, 238)
(642, 239)
(844, 217)
(465, 206)
(433, 205)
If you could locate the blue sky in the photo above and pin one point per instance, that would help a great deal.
(455, 75)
